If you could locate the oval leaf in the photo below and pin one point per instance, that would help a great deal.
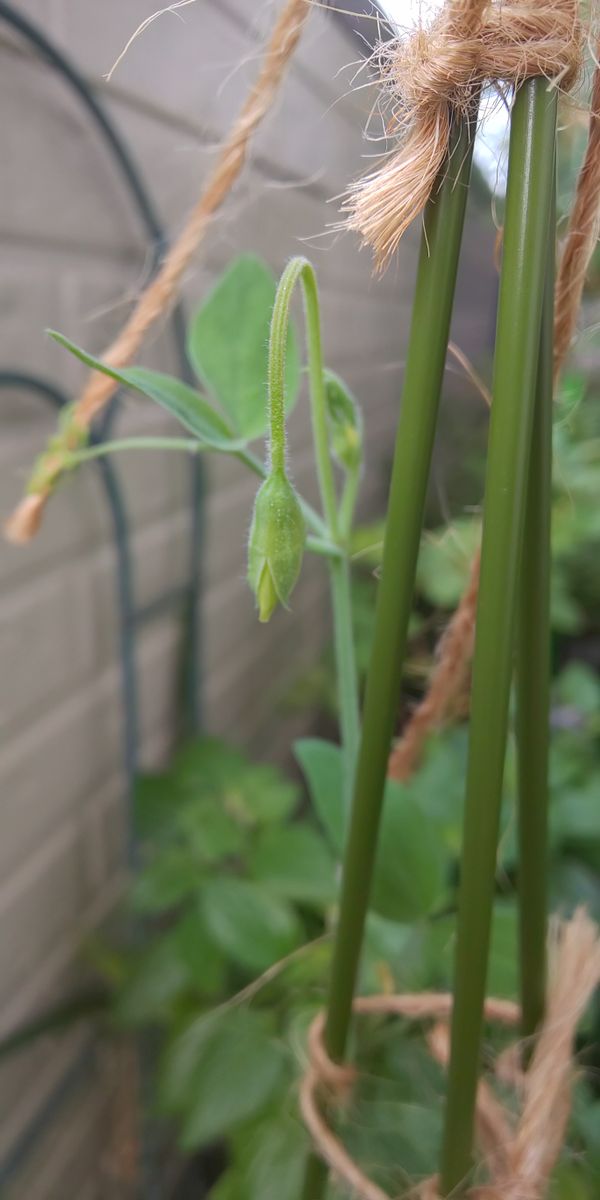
(249, 923)
(220, 1071)
(182, 401)
(410, 870)
(228, 345)
(321, 764)
(295, 863)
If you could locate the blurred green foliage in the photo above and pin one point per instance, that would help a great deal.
(239, 877)
(240, 864)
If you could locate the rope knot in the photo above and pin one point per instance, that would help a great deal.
(338, 1078)
(433, 69)
(435, 74)
(517, 1154)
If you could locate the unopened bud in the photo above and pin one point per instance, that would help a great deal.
(276, 544)
(345, 422)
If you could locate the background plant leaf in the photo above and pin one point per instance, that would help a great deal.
(228, 345)
(180, 400)
(294, 862)
(249, 923)
(221, 1070)
(410, 871)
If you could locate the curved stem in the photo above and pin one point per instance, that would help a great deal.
(100, 449)
(300, 270)
(193, 446)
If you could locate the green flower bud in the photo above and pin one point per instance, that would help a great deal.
(276, 544)
(345, 422)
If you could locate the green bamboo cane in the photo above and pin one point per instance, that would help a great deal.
(533, 681)
(530, 187)
(430, 327)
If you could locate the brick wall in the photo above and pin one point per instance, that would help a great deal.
(72, 255)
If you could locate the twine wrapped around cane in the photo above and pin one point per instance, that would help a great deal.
(434, 75)
(455, 648)
(517, 1158)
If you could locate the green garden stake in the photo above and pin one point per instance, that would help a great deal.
(436, 278)
(528, 205)
(533, 682)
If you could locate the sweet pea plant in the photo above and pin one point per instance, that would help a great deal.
(238, 886)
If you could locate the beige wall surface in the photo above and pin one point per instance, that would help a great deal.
(72, 257)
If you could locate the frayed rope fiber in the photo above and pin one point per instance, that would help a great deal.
(433, 75)
(517, 1157)
(162, 292)
(455, 649)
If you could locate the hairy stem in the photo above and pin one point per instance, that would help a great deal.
(192, 446)
(300, 270)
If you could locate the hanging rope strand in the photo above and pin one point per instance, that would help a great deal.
(455, 649)
(162, 291)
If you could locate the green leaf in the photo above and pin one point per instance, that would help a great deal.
(367, 544)
(206, 766)
(445, 561)
(345, 422)
(579, 688)
(566, 615)
(210, 832)
(228, 345)
(569, 1182)
(155, 982)
(575, 813)
(182, 401)
(181, 961)
(276, 1169)
(252, 794)
(294, 863)
(202, 960)
(401, 1140)
(392, 953)
(571, 884)
(322, 767)
(220, 1071)
(171, 877)
(264, 796)
(503, 962)
(249, 923)
(438, 785)
(153, 804)
(229, 1187)
(503, 970)
(410, 870)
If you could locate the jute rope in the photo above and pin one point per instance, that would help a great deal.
(448, 679)
(433, 75)
(581, 237)
(517, 1157)
(455, 649)
(162, 291)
